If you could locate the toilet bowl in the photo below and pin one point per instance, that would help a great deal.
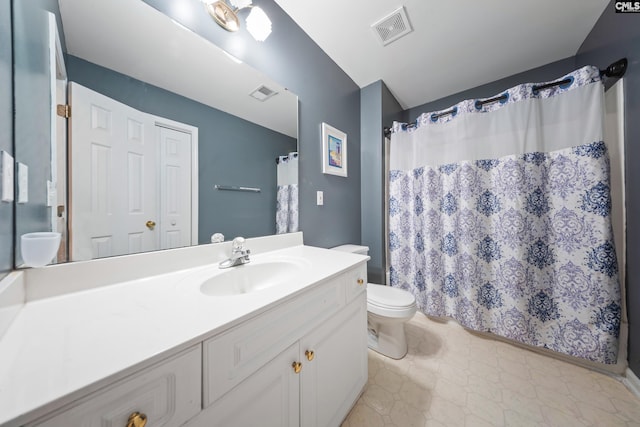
(388, 309)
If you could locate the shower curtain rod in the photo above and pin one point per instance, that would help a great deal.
(616, 69)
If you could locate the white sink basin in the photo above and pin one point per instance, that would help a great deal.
(252, 277)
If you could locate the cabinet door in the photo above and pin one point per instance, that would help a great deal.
(233, 356)
(332, 381)
(269, 397)
(168, 394)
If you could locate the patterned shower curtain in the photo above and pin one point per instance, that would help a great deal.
(287, 194)
(500, 218)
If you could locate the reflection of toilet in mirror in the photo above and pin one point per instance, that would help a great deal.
(388, 309)
(39, 249)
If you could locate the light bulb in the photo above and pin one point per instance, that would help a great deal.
(240, 4)
(258, 24)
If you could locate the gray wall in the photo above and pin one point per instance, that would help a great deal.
(544, 73)
(232, 151)
(379, 108)
(6, 132)
(326, 94)
(614, 36)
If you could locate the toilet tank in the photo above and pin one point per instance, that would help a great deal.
(354, 249)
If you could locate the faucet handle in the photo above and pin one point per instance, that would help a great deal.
(237, 243)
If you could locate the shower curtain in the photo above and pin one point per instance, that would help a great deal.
(287, 194)
(499, 217)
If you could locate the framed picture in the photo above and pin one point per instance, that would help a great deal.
(334, 151)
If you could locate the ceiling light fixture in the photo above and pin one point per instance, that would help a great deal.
(225, 13)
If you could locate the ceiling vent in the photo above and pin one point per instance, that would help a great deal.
(392, 27)
(263, 93)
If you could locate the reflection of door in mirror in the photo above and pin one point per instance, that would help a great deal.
(176, 185)
(118, 157)
(57, 187)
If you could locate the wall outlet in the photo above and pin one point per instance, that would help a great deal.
(319, 198)
(6, 176)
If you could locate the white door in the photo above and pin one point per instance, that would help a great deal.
(113, 177)
(175, 188)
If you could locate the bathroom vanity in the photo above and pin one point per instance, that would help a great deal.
(168, 349)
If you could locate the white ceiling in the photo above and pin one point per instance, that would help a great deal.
(183, 62)
(456, 44)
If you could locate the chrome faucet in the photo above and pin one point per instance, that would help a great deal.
(239, 255)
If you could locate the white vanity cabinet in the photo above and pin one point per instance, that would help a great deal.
(167, 394)
(301, 363)
(294, 355)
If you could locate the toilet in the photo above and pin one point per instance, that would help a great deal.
(388, 309)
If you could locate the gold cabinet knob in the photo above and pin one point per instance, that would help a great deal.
(297, 367)
(137, 420)
(310, 355)
(360, 282)
(150, 225)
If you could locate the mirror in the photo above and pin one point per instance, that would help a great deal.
(170, 139)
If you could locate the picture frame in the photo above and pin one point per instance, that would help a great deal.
(334, 151)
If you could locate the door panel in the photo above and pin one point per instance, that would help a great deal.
(175, 188)
(113, 177)
(268, 398)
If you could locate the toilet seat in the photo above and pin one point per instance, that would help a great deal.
(390, 302)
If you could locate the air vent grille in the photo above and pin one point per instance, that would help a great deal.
(263, 93)
(392, 27)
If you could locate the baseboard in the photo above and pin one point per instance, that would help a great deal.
(632, 382)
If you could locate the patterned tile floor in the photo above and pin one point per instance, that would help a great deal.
(451, 377)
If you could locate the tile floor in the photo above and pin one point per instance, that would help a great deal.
(451, 377)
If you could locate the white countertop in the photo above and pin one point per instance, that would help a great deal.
(63, 347)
